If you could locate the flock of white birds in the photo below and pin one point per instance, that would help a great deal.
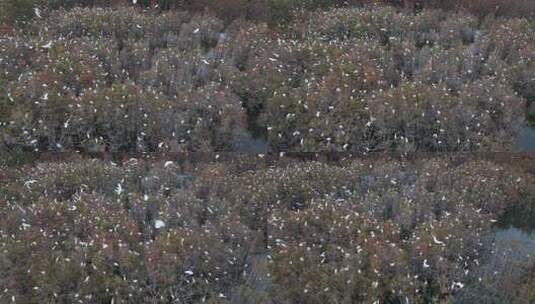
(266, 229)
(360, 230)
(343, 80)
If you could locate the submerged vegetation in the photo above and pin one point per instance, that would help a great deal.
(193, 86)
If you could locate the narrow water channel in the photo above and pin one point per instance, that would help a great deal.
(514, 239)
(527, 139)
(506, 265)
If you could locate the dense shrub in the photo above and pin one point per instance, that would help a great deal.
(105, 84)
(516, 8)
(354, 243)
(124, 118)
(246, 229)
(16, 11)
(345, 79)
(354, 231)
(276, 12)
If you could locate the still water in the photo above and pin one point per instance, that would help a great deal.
(527, 139)
(516, 232)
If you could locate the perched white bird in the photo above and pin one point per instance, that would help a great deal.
(425, 264)
(158, 224)
(196, 31)
(188, 272)
(28, 183)
(37, 12)
(47, 46)
(119, 189)
(438, 242)
(167, 164)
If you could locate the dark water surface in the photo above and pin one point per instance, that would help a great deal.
(516, 230)
(527, 139)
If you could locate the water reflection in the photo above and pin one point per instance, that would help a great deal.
(514, 244)
(522, 218)
(247, 143)
(516, 233)
(527, 139)
(502, 275)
